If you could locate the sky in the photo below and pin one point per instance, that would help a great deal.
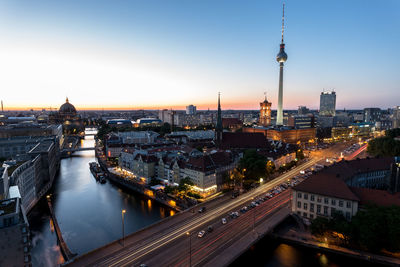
(169, 53)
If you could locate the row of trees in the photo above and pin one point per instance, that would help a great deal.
(254, 166)
(372, 228)
(385, 146)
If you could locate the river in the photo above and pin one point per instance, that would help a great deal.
(89, 216)
(88, 213)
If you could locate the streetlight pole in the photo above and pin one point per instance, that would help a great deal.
(190, 248)
(254, 219)
(123, 228)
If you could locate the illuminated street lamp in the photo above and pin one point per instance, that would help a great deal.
(123, 230)
(261, 180)
(190, 248)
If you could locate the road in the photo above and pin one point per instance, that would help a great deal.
(169, 237)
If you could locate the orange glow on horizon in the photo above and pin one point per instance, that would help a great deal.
(204, 106)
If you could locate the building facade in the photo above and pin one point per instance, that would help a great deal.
(190, 110)
(265, 113)
(327, 104)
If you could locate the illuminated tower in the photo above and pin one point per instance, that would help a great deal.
(281, 58)
(265, 112)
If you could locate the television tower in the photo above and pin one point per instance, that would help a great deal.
(281, 58)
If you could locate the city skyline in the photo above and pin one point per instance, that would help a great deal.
(171, 54)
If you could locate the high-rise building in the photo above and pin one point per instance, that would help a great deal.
(265, 113)
(396, 117)
(190, 110)
(327, 103)
(281, 58)
(372, 114)
(303, 110)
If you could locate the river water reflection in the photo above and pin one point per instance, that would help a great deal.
(88, 213)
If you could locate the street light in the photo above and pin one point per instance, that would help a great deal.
(123, 230)
(190, 248)
(254, 216)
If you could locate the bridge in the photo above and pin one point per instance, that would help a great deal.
(71, 150)
(174, 242)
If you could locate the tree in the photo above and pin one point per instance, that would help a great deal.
(184, 184)
(319, 226)
(299, 154)
(254, 164)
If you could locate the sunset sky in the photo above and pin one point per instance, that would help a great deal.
(169, 54)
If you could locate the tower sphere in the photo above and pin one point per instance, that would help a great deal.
(282, 56)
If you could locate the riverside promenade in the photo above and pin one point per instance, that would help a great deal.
(68, 255)
(307, 240)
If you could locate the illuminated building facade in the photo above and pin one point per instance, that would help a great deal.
(265, 113)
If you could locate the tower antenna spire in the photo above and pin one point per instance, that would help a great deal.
(283, 20)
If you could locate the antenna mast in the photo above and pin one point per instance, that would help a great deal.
(283, 20)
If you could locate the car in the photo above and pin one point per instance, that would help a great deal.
(201, 234)
(142, 265)
(210, 229)
(202, 209)
(223, 221)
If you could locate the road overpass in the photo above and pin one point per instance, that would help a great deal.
(167, 243)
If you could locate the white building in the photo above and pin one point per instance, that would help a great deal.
(322, 195)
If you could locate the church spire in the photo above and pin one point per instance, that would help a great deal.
(218, 128)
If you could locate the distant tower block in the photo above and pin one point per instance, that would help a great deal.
(281, 58)
(265, 112)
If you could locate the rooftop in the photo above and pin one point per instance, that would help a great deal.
(378, 197)
(8, 206)
(327, 185)
(244, 140)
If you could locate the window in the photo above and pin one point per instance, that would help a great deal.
(311, 216)
(305, 196)
(312, 207)
(348, 204)
(299, 204)
(333, 211)
(304, 214)
(333, 202)
(305, 206)
(299, 195)
(348, 215)
(340, 203)
(319, 209)
(326, 200)
(325, 210)
(312, 198)
(299, 213)
(319, 199)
